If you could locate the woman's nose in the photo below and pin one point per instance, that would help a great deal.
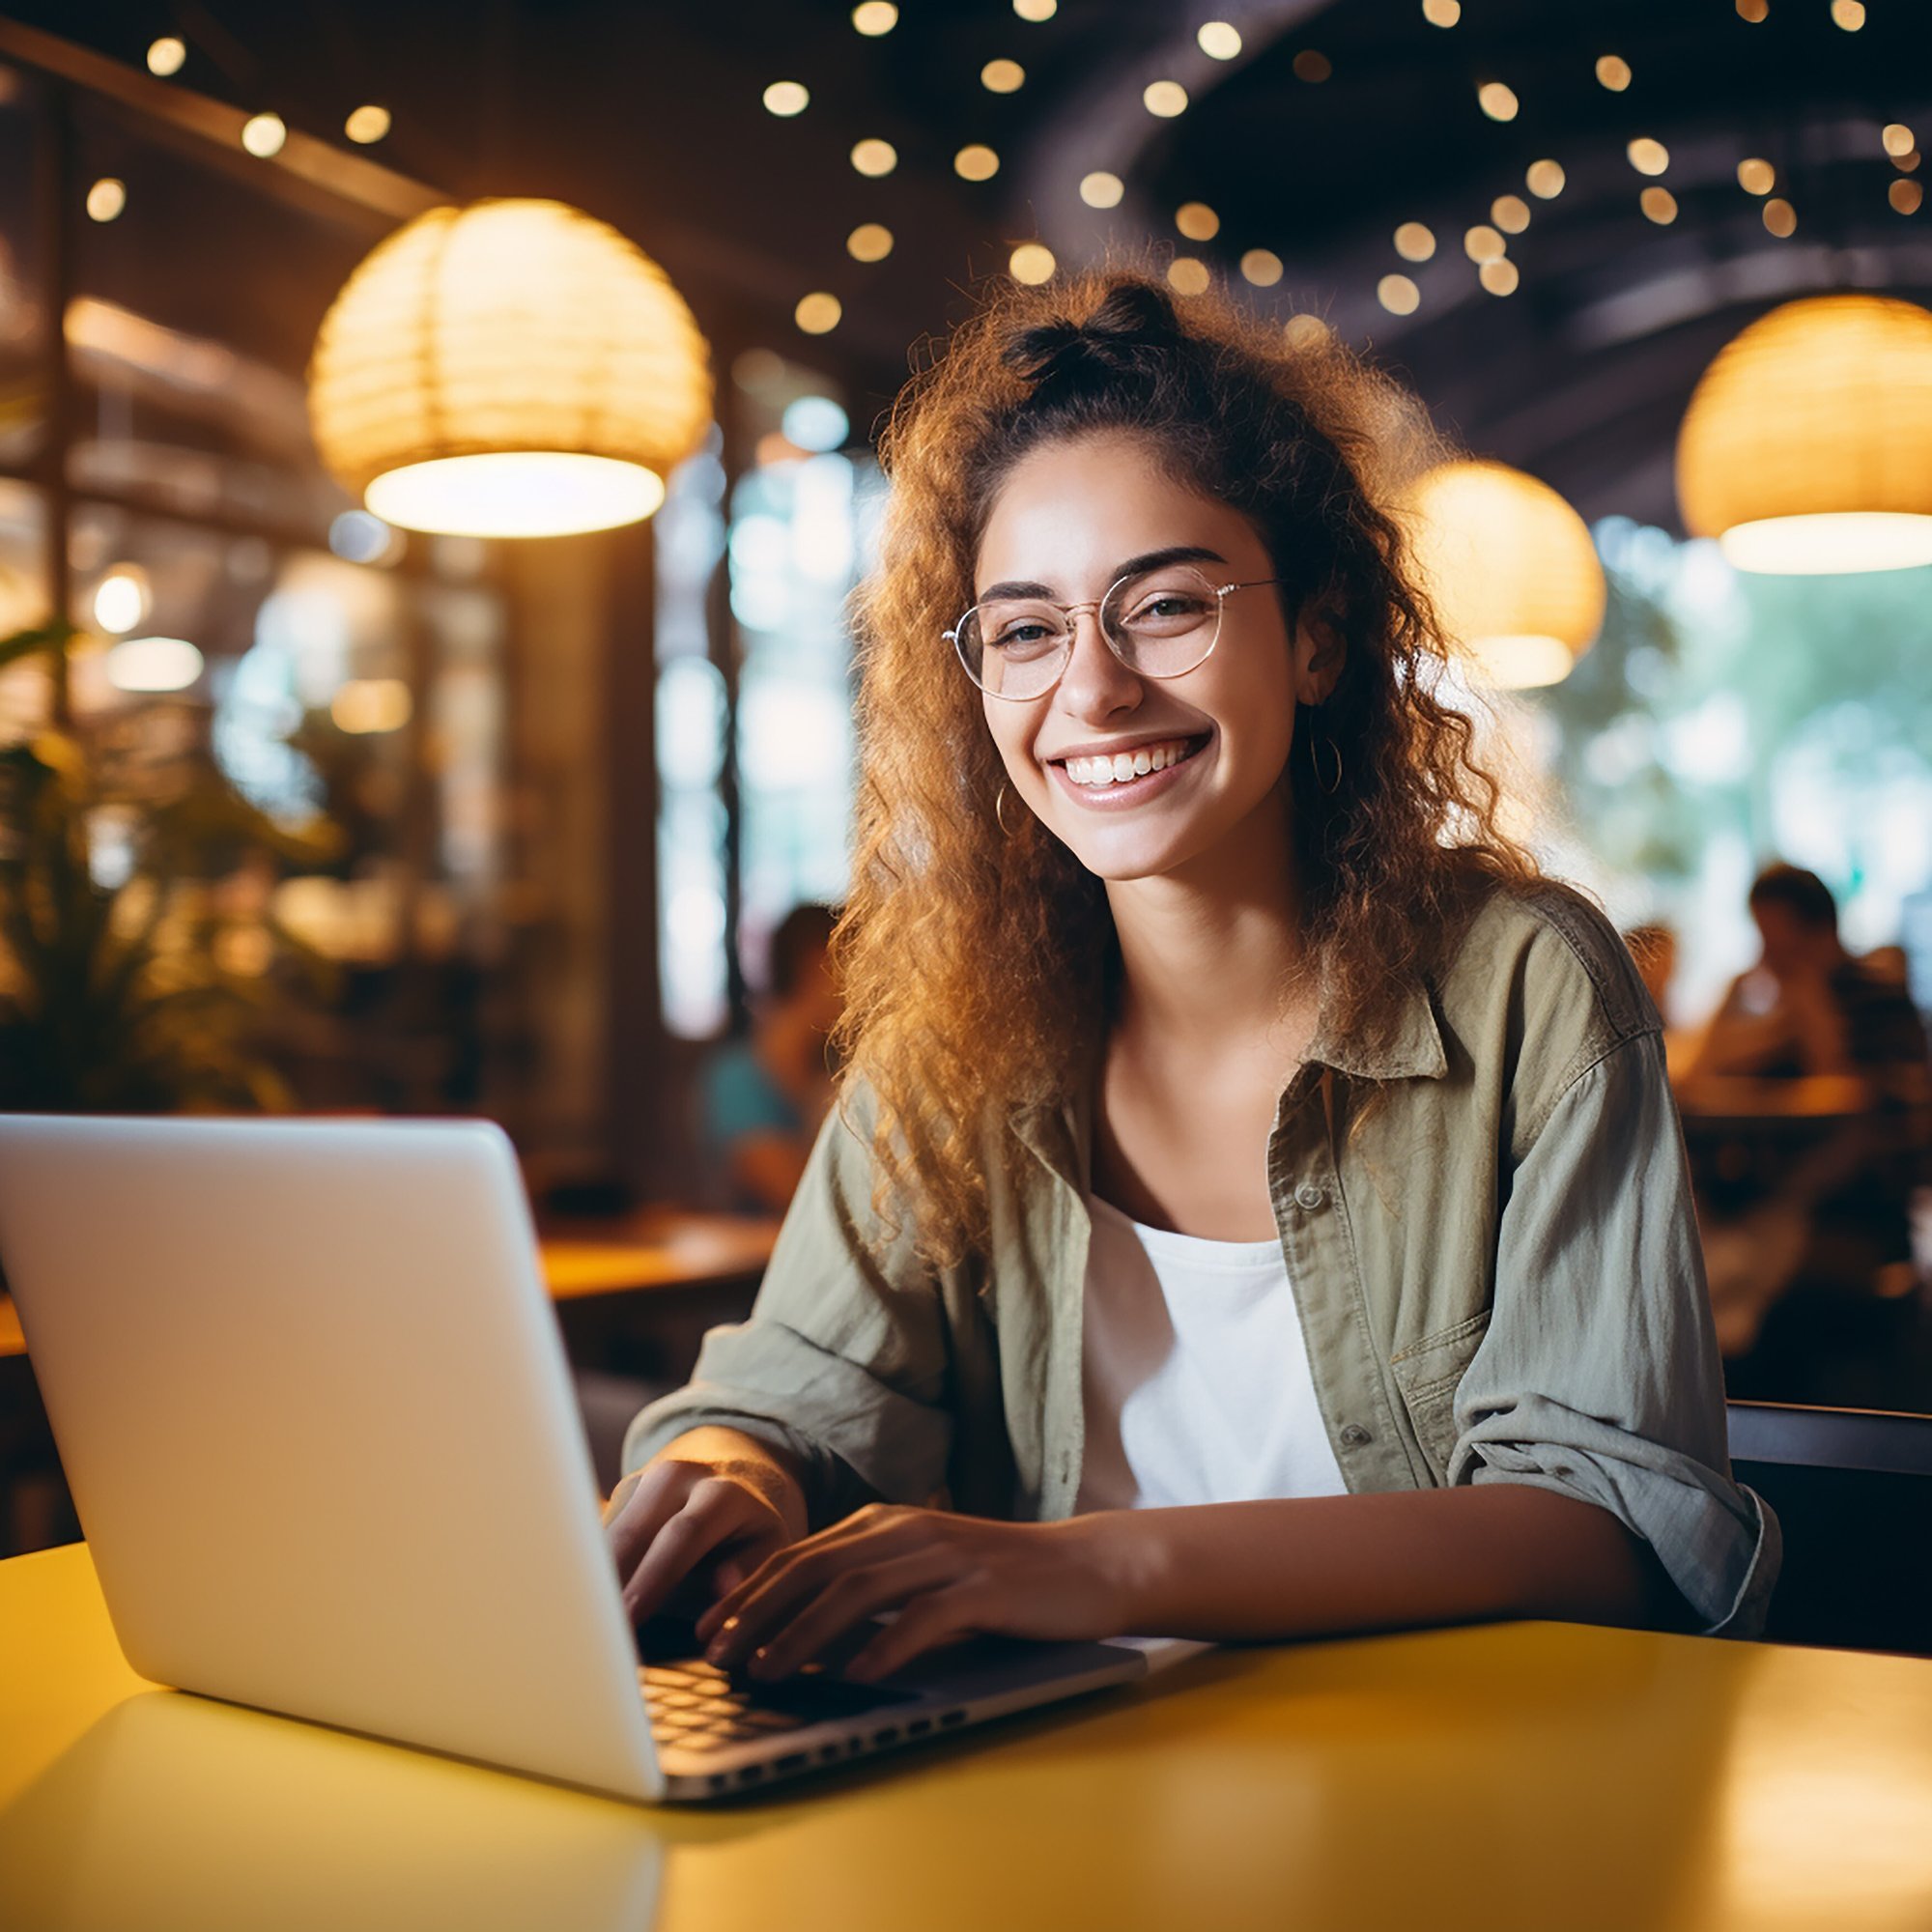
(1095, 684)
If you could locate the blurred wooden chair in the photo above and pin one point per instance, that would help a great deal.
(1852, 1492)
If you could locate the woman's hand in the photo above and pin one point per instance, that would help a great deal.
(707, 1505)
(946, 1575)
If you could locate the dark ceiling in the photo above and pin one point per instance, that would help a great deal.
(650, 115)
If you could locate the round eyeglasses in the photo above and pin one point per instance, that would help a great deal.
(1159, 623)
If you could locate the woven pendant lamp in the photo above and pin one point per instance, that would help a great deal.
(1808, 444)
(1512, 571)
(513, 368)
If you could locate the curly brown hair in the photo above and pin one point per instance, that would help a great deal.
(979, 968)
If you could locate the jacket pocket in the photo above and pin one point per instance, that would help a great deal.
(1428, 1373)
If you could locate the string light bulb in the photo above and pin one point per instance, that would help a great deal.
(1164, 98)
(107, 199)
(166, 55)
(873, 17)
(1032, 262)
(818, 313)
(1398, 294)
(263, 135)
(1100, 189)
(1218, 39)
(367, 126)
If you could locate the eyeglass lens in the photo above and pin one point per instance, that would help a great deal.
(1161, 623)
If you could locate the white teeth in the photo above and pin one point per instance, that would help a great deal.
(1124, 766)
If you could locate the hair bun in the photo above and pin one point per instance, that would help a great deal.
(1136, 322)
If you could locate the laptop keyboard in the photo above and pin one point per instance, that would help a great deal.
(696, 1707)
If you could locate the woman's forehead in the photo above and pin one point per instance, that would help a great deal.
(1073, 509)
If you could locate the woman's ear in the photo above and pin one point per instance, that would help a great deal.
(1319, 651)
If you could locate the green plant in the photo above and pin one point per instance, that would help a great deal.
(152, 993)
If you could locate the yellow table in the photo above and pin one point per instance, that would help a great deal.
(1541, 1777)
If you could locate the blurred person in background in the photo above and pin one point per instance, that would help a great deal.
(764, 1096)
(1255, 1205)
(1654, 948)
(1813, 1235)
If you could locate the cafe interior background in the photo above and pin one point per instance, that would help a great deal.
(306, 806)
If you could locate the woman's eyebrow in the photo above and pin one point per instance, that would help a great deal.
(1151, 560)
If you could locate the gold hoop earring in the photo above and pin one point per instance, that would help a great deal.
(1330, 785)
(1000, 810)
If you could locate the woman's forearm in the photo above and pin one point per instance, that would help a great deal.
(1325, 1565)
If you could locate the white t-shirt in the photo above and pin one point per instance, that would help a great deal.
(1195, 1373)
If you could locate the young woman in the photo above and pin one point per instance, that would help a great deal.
(1256, 1208)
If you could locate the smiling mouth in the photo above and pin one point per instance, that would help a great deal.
(1100, 772)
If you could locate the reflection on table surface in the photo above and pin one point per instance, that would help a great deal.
(1520, 1776)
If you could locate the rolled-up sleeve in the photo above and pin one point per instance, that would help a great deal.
(844, 1360)
(1599, 1376)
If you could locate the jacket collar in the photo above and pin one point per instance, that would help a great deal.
(1412, 1051)
(1063, 1137)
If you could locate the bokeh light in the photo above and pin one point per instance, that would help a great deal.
(1032, 262)
(818, 313)
(1398, 294)
(263, 135)
(1100, 189)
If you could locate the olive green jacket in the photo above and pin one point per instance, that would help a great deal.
(1498, 1271)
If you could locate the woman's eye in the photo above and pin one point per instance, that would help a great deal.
(1172, 606)
(1023, 637)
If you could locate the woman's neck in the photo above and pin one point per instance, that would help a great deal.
(1208, 951)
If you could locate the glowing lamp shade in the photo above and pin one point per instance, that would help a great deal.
(509, 369)
(1806, 447)
(1510, 568)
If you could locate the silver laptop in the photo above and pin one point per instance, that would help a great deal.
(311, 1400)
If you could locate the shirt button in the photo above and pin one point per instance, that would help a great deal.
(1309, 1197)
(1353, 1435)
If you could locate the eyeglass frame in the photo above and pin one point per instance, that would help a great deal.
(1068, 611)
